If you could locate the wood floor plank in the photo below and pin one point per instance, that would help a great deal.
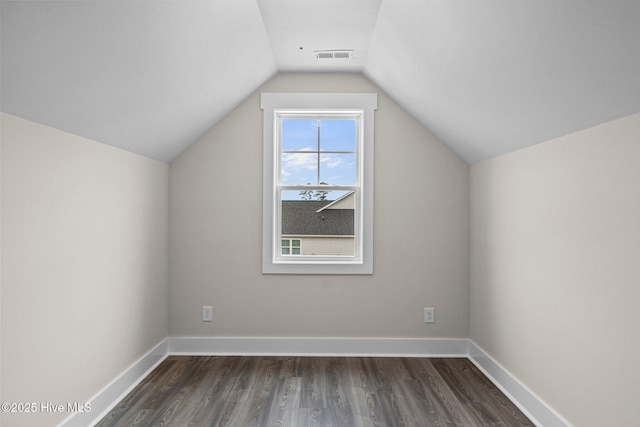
(426, 388)
(313, 371)
(315, 391)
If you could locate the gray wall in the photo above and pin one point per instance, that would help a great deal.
(555, 272)
(420, 233)
(84, 265)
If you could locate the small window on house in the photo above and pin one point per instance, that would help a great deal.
(290, 247)
(318, 183)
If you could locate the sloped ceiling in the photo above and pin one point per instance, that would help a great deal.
(485, 77)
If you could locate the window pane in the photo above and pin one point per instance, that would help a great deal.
(325, 218)
(337, 135)
(338, 169)
(299, 135)
(285, 251)
(299, 168)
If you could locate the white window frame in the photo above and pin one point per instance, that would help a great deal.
(274, 104)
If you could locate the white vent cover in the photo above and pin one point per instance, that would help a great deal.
(334, 54)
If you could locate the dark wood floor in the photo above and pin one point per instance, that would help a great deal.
(315, 391)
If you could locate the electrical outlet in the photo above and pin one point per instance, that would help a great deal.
(429, 315)
(207, 313)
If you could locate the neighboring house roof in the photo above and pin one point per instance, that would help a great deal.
(301, 217)
(346, 201)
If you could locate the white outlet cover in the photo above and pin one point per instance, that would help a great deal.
(207, 313)
(429, 315)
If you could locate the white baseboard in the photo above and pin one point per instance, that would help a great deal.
(109, 396)
(381, 347)
(531, 405)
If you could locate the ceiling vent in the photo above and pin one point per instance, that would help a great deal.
(334, 54)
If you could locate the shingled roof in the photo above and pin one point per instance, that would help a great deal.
(301, 217)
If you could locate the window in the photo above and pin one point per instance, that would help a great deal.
(317, 166)
(318, 183)
(290, 247)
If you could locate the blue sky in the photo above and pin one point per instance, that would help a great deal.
(301, 166)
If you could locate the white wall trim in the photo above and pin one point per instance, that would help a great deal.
(527, 401)
(381, 347)
(110, 395)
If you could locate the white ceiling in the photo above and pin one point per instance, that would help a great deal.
(297, 29)
(147, 76)
(486, 77)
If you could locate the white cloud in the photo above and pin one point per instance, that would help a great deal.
(299, 161)
(330, 161)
